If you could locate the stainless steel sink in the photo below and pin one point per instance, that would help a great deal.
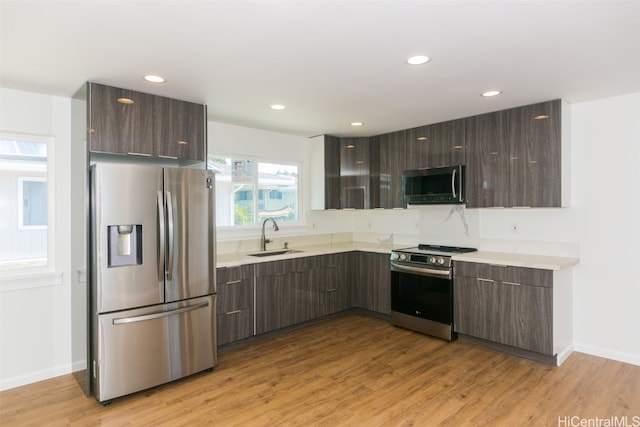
(277, 252)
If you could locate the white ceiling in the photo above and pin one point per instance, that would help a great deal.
(330, 62)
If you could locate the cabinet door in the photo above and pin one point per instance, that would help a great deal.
(504, 312)
(526, 313)
(120, 121)
(332, 172)
(283, 293)
(372, 290)
(392, 148)
(488, 163)
(354, 173)
(437, 145)
(447, 144)
(476, 308)
(179, 129)
(419, 147)
(535, 154)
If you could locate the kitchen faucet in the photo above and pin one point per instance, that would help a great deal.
(263, 241)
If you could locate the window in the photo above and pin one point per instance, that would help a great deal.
(249, 191)
(25, 190)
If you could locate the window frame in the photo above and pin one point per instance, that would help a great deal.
(20, 201)
(256, 189)
(21, 268)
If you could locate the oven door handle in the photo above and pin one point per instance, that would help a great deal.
(446, 274)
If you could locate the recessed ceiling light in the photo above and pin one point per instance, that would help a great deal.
(349, 146)
(125, 101)
(356, 124)
(490, 93)
(541, 117)
(418, 60)
(278, 107)
(421, 138)
(154, 79)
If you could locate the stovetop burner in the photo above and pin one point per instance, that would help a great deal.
(446, 249)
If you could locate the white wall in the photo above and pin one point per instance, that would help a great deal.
(607, 213)
(35, 322)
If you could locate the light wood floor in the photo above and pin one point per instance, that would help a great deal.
(349, 371)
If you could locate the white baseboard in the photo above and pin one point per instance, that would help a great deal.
(33, 377)
(632, 359)
(564, 354)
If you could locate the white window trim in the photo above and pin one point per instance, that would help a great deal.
(30, 280)
(37, 276)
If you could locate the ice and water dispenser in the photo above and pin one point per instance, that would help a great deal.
(125, 245)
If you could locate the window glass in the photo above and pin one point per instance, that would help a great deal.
(249, 191)
(24, 197)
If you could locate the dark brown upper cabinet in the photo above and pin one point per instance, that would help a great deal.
(391, 162)
(120, 121)
(534, 135)
(488, 163)
(332, 172)
(436, 145)
(179, 128)
(515, 157)
(127, 122)
(355, 173)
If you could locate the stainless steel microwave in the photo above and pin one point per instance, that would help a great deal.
(432, 186)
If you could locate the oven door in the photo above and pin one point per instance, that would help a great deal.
(422, 300)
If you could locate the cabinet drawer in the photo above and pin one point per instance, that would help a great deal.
(234, 296)
(234, 274)
(234, 326)
(276, 268)
(515, 275)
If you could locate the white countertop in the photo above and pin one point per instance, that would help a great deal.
(234, 260)
(496, 258)
(518, 260)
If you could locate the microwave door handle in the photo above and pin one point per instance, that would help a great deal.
(453, 183)
(161, 237)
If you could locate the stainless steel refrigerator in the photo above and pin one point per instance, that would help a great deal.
(153, 287)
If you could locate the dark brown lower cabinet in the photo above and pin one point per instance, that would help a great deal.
(501, 306)
(288, 292)
(371, 282)
(330, 284)
(234, 303)
(283, 293)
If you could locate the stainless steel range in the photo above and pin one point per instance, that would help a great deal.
(422, 289)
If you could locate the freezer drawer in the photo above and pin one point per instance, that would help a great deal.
(142, 348)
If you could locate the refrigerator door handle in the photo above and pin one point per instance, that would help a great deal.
(124, 320)
(161, 237)
(170, 235)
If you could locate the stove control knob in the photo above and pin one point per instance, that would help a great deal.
(394, 256)
(403, 257)
(440, 260)
(432, 260)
